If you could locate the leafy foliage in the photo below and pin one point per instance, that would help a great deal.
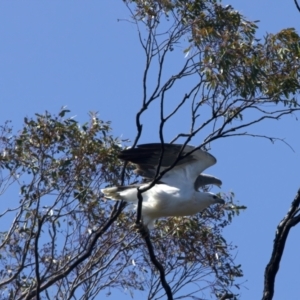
(64, 239)
(56, 242)
(229, 80)
(236, 71)
(59, 167)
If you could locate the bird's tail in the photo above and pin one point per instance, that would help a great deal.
(112, 193)
(127, 193)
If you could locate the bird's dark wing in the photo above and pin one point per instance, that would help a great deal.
(204, 179)
(147, 156)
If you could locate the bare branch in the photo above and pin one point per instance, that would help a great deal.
(282, 232)
(297, 5)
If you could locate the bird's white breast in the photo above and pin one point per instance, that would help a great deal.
(163, 201)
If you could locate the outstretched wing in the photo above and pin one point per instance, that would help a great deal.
(187, 168)
(205, 179)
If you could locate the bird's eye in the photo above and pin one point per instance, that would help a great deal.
(215, 197)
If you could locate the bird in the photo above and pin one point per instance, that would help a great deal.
(176, 193)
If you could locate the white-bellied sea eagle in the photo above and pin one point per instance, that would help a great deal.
(177, 192)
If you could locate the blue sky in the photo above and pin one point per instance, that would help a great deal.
(56, 53)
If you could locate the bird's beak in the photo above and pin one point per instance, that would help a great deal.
(221, 201)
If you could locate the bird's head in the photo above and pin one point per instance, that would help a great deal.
(216, 199)
(203, 200)
(211, 198)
